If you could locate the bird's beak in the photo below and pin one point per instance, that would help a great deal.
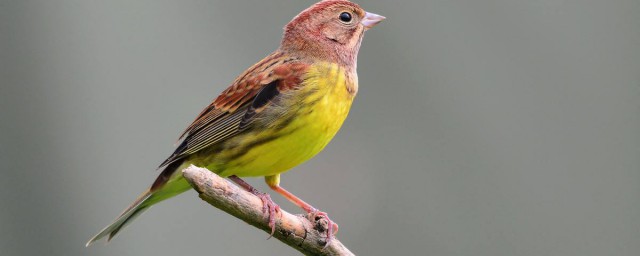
(371, 19)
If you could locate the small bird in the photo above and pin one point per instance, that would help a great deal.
(276, 115)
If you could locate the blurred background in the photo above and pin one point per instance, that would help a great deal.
(482, 127)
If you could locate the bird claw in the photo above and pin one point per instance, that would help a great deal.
(270, 207)
(330, 227)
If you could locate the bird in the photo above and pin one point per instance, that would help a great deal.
(277, 114)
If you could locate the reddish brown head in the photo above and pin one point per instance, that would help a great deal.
(329, 30)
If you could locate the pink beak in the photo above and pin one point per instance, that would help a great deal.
(371, 19)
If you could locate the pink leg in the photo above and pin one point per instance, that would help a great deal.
(267, 204)
(314, 214)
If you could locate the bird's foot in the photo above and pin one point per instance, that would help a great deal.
(269, 207)
(327, 226)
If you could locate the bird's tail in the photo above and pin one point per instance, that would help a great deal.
(167, 185)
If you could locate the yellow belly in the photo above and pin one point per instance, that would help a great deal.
(314, 114)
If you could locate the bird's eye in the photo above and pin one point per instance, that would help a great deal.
(345, 17)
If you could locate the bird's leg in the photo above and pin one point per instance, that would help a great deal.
(268, 206)
(313, 214)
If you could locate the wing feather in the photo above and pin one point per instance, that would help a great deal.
(236, 106)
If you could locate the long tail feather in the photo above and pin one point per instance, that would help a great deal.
(133, 211)
(168, 184)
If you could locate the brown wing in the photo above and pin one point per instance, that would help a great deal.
(236, 105)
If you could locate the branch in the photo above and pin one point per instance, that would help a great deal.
(294, 230)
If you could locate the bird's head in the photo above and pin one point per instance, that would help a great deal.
(330, 30)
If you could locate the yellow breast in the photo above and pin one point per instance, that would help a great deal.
(308, 118)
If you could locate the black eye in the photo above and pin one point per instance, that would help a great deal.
(345, 17)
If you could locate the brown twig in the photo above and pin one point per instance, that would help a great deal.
(294, 230)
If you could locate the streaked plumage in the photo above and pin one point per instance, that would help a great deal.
(277, 114)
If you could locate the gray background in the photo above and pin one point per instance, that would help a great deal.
(482, 127)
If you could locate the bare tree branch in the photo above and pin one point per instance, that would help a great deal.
(294, 230)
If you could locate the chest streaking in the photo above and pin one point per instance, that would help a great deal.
(294, 128)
